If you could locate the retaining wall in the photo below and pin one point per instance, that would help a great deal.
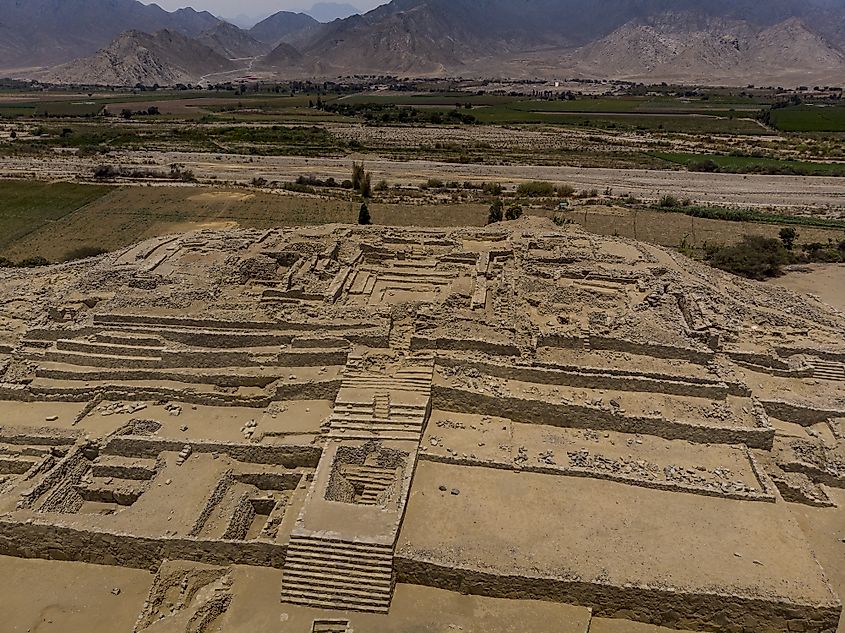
(53, 542)
(597, 379)
(583, 417)
(663, 607)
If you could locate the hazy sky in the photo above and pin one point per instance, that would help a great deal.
(233, 8)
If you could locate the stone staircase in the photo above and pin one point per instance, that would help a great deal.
(828, 370)
(381, 406)
(332, 574)
(383, 410)
(371, 481)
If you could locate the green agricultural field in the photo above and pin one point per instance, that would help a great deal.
(809, 118)
(752, 164)
(68, 108)
(27, 207)
(681, 123)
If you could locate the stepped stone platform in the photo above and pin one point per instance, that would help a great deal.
(337, 429)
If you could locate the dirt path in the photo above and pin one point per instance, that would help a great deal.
(724, 189)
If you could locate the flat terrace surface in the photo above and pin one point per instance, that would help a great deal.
(256, 608)
(478, 439)
(221, 424)
(598, 531)
(827, 395)
(59, 415)
(66, 597)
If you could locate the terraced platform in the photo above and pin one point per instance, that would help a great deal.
(332, 429)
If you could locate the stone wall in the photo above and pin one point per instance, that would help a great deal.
(805, 415)
(596, 379)
(419, 343)
(40, 540)
(663, 607)
(582, 417)
(288, 456)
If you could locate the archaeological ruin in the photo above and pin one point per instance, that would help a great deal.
(341, 428)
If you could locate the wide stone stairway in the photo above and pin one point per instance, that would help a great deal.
(340, 554)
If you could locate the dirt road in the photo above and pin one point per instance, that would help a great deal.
(796, 192)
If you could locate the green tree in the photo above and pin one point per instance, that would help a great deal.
(496, 213)
(364, 215)
(361, 180)
(788, 235)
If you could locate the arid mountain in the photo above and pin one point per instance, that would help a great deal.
(283, 58)
(331, 11)
(283, 25)
(37, 33)
(231, 42)
(164, 58)
(685, 48)
(701, 41)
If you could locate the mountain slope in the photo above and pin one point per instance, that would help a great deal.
(450, 34)
(282, 25)
(164, 58)
(688, 48)
(230, 42)
(44, 32)
(694, 41)
(331, 11)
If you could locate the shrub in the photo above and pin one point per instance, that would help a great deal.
(259, 182)
(496, 213)
(788, 235)
(299, 188)
(669, 202)
(6, 263)
(513, 213)
(536, 189)
(106, 172)
(707, 166)
(434, 183)
(382, 186)
(755, 257)
(565, 191)
(492, 188)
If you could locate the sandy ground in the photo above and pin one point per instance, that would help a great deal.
(825, 532)
(695, 543)
(256, 609)
(62, 597)
(825, 281)
(726, 189)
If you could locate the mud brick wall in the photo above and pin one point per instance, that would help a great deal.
(655, 606)
(578, 416)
